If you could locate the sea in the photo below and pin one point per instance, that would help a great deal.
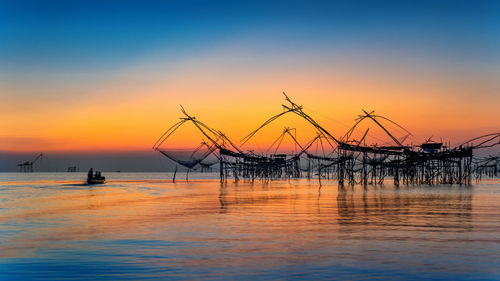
(143, 226)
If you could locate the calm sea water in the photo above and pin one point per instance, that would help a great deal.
(140, 226)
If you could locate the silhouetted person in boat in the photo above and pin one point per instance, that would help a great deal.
(98, 175)
(91, 174)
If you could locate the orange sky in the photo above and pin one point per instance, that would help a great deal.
(233, 92)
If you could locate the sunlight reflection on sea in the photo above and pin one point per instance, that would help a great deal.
(141, 225)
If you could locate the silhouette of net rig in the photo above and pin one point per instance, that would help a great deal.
(349, 159)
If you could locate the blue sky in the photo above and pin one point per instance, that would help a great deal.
(71, 35)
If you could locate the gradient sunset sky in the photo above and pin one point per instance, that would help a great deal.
(110, 75)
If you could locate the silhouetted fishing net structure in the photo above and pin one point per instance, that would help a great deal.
(188, 158)
(203, 155)
(374, 148)
(487, 167)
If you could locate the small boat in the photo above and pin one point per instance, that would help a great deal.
(95, 178)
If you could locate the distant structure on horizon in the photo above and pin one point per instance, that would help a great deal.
(72, 169)
(27, 166)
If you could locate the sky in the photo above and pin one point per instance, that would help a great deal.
(104, 77)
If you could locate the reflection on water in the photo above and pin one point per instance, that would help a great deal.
(141, 226)
(450, 209)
